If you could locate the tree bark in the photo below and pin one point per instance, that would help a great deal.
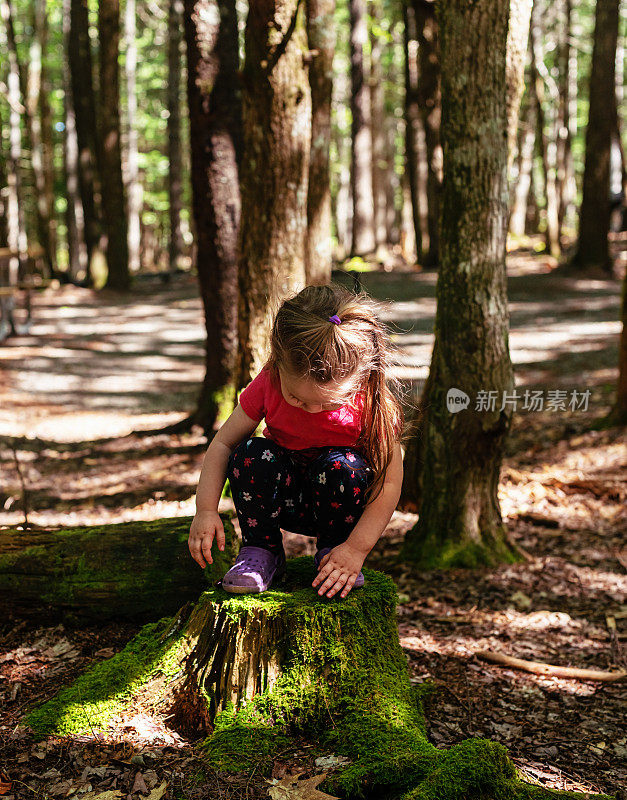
(47, 146)
(546, 144)
(84, 104)
(321, 39)
(113, 196)
(74, 217)
(517, 48)
(274, 173)
(377, 117)
(460, 521)
(594, 215)
(175, 161)
(363, 241)
(620, 409)
(412, 121)
(131, 570)
(133, 183)
(16, 225)
(518, 216)
(213, 94)
(430, 105)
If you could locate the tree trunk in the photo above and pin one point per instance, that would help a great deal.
(522, 186)
(594, 215)
(517, 48)
(131, 570)
(545, 144)
(460, 522)
(175, 160)
(16, 226)
(30, 80)
(4, 190)
(252, 671)
(113, 195)
(84, 105)
(74, 219)
(133, 183)
(321, 39)
(566, 187)
(430, 105)
(274, 173)
(412, 120)
(47, 146)
(363, 242)
(620, 411)
(377, 117)
(213, 95)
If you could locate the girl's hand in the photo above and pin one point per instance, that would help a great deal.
(205, 525)
(339, 568)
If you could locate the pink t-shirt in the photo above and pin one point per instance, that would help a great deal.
(295, 428)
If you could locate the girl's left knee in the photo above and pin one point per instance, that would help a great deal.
(341, 464)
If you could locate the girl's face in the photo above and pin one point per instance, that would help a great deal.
(314, 397)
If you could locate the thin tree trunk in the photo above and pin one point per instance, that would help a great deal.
(566, 188)
(363, 240)
(546, 145)
(430, 105)
(517, 49)
(175, 172)
(412, 120)
(4, 189)
(74, 220)
(45, 113)
(460, 521)
(31, 90)
(215, 114)
(594, 215)
(274, 174)
(525, 164)
(321, 39)
(377, 114)
(133, 184)
(84, 105)
(16, 227)
(113, 195)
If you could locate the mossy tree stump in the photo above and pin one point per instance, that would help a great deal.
(131, 570)
(253, 670)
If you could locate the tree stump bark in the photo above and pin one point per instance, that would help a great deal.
(252, 671)
(132, 570)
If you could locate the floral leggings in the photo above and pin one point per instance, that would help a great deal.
(318, 492)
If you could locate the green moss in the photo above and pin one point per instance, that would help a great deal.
(108, 688)
(137, 570)
(449, 553)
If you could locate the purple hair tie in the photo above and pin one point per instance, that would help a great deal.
(335, 319)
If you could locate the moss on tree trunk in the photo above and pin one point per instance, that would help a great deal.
(132, 570)
(252, 670)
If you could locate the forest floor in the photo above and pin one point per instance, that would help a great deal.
(98, 369)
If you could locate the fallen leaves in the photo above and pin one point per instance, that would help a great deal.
(291, 788)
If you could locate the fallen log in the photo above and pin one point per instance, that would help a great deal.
(251, 671)
(131, 570)
(539, 668)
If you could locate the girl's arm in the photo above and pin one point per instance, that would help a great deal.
(207, 523)
(378, 512)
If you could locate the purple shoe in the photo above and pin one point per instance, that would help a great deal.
(254, 570)
(359, 580)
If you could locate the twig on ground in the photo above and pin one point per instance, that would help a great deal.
(538, 668)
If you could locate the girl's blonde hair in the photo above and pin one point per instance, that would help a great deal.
(305, 343)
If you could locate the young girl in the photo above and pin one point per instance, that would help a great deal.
(329, 463)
